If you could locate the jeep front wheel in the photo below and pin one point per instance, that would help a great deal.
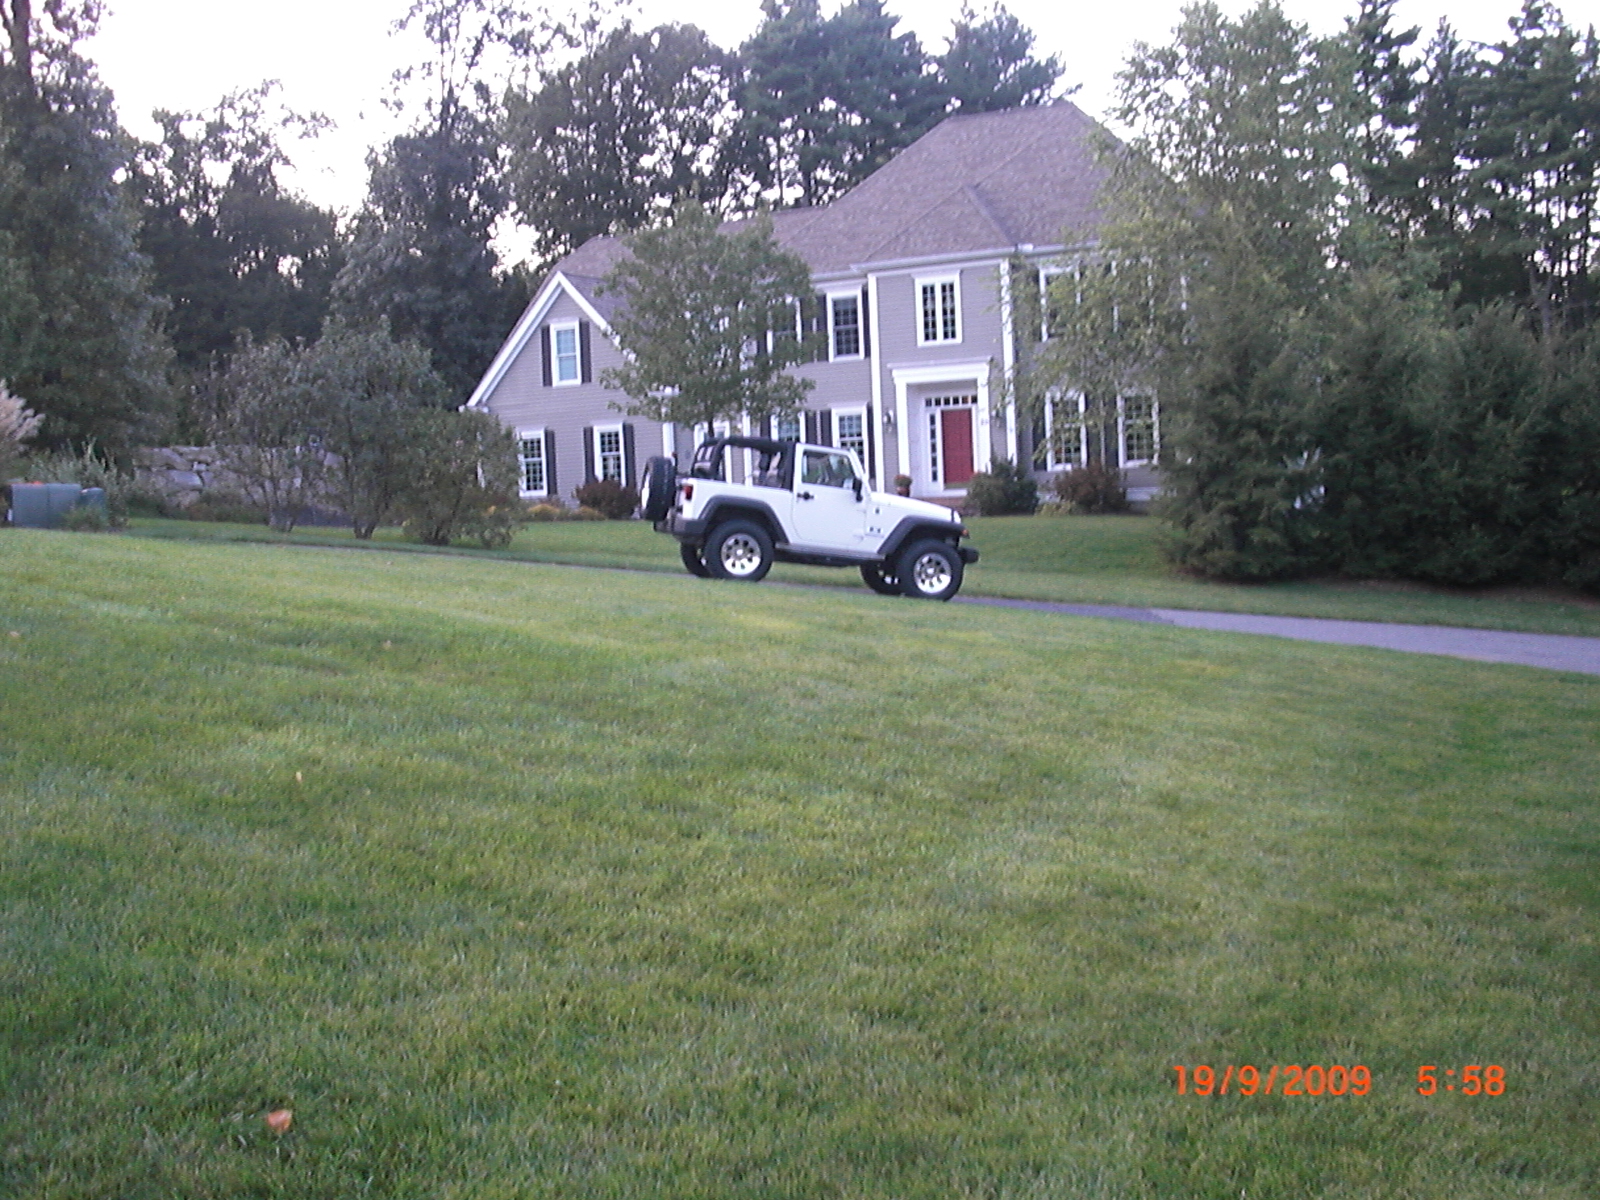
(739, 550)
(930, 571)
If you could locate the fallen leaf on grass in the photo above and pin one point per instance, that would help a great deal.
(299, 778)
(279, 1120)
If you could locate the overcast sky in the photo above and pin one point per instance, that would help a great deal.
(337, 56)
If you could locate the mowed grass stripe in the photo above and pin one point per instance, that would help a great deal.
(595, 884)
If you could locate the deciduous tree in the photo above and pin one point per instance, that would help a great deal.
(699, 312)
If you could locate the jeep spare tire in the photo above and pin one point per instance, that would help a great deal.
(656, 487)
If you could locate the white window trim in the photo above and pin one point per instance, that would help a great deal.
(933, 281)
(1050, 432)
(861, 329)
(533, 435)
(834, 416)
(1122, 432)
(555, 357)
(622, 452)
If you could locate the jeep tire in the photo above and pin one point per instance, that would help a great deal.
(739, 550)
(692, 561)
(880, 580)
(930, 570)
(656, 487)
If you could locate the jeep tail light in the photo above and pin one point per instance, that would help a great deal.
(688, 491)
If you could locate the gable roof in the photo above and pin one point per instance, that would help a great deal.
(992, 181)
(999, 181)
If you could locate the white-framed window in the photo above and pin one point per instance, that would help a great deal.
(531, 457)
(844, 325)
(566, 363)
(850, 430)
(1049, 311)
(1138, 427)
(939, 310)
(1064, 431)
(608, 458)
(787, 428)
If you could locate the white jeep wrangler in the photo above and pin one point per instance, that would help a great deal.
(802, 504)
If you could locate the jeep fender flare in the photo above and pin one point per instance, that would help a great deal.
(911, 528)
(724, 508)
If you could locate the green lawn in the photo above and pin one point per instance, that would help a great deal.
(1082, 560)
(525, 881)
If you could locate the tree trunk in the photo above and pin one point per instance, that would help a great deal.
(19, 26)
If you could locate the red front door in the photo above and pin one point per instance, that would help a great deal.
(955, 443)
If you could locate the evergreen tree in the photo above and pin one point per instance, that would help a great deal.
(608, 142)
(421, 255)
(79, 328)
(826, 101)
(1241, 486)
(1388, 346)
(1535, 152)
(989, 64)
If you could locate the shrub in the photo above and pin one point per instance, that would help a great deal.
(17, 425)
(608, 497)
(546, 512)
(1006, 488)
(85, 518)
(585, 513)
(463, 479)
(1095, 488)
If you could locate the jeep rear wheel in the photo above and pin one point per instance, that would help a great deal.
(883, 582)
(930, 571)
(739, 550)
(692, 561)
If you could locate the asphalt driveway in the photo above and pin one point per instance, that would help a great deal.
(1555, 652)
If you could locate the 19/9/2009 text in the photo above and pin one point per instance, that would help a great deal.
(1315, 1080)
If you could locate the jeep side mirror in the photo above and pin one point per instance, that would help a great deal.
(856, 480)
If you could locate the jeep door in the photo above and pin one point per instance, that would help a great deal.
(830, 501)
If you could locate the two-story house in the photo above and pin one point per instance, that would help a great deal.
(914, 270)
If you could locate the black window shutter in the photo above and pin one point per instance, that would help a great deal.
(766, 427)
(627, 454)
(866, 337)
(588, 453)
(550, 465)
(821, 330)
(544, 350)
(872, 442)
(585, 367)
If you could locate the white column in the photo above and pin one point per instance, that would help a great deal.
(1008, 359)
(880, 451)
(982, 449)
(902, 427)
